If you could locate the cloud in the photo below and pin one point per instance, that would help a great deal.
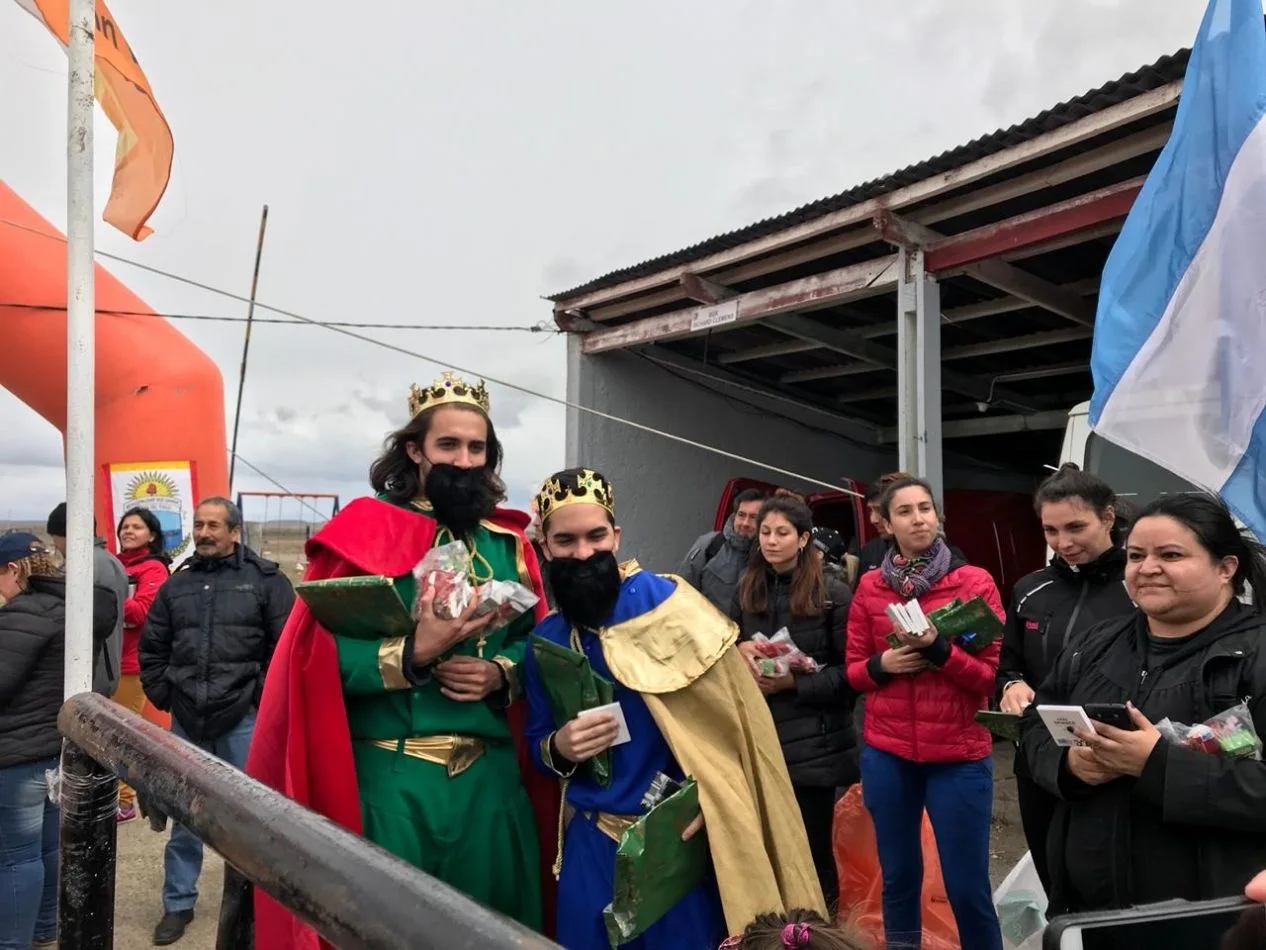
(428, 186)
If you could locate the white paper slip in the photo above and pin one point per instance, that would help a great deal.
(615, 710)
(1062, 720)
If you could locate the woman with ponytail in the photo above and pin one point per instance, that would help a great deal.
(785, 586)
(1083, 585)
(1140, 818)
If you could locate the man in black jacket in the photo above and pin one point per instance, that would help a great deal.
(204, 654)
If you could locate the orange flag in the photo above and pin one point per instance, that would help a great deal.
(142, 161)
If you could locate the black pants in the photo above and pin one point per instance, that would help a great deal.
(1037, 811)
(817, 809)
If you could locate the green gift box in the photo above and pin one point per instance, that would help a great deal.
(362, 608)
(571, 685)
(1001, 724)
(974, 621)
(654, 868)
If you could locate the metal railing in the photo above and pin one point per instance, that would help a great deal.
(350, 891)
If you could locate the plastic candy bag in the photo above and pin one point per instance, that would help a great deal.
(447, 570)
(862, 883)
(507, 599)
(779, 654)
(1020, 901)
(1230, 734)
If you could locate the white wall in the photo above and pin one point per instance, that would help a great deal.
(667, 492)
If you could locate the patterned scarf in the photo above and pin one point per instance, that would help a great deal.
(913, 577)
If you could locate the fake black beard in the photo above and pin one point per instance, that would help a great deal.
(461, 497)
(586, 591)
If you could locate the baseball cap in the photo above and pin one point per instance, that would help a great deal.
(16, 545)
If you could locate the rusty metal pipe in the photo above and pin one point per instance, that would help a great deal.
(349, 890)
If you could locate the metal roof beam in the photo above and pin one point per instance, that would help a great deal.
(850, 344)
(705, 291)
(996, 425)
(1015, 376)
(787, 348)
(859, 428)
(1035, 227)
(867, 279)
(902, 232)
(986, 348)
(1040, 146)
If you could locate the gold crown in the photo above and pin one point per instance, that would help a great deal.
(590, 489)
(448, 389)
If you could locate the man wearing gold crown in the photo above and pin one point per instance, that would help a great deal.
(411, 741)
(691, 708)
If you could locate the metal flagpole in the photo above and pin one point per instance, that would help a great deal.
(80, 348)
(246, 345)
(89, 790)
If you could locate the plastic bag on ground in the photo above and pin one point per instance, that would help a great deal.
(861, 882)
(1020, 901)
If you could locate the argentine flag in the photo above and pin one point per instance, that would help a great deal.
(1179, 356)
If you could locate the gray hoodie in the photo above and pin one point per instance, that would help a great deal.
(718, 576)
(109, 593)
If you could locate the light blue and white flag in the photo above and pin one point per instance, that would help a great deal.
(1179, 358)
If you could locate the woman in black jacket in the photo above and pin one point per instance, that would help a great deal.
(32, 655)
(1142, 819)
(1083, 585)
(785, 586)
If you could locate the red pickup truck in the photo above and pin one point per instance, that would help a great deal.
(995, 530)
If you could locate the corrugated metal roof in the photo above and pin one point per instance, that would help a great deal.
(1165, 70)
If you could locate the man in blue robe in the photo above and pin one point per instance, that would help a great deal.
(691, 708)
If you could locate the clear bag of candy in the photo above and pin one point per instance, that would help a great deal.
(446, 570)
(507, 599)
(1230, 734)
(779, 654)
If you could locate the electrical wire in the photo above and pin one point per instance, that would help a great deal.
(541, 327)
(588, 410)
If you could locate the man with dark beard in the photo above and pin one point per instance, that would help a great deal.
(691, 707)
(411, 741)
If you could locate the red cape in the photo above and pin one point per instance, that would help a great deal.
(302, 745)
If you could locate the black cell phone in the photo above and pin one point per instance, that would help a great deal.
(1112, 714)
(1171, 925)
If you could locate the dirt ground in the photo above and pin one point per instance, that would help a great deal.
(138, 901)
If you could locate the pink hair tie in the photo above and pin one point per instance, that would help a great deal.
(795, 935)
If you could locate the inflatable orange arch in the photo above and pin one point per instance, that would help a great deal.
(159, 399)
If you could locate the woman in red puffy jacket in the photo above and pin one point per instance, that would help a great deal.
(922, 746)
(141, 551)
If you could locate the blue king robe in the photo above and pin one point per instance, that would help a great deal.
(586, 884)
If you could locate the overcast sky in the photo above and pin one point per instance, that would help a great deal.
(452, 163)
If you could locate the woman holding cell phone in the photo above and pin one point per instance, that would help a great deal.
(1083, 585)
(1141, 818)
(922, 748)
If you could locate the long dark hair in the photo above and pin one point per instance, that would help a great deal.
(1069, 481)
(808, 580)
(150, 520)
(396, 475)
(1214, 527)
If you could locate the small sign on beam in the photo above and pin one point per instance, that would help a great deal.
(705, 318)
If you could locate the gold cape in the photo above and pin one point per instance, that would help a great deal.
(681, 657)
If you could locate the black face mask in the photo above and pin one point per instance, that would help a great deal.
(586, 591)
(461, 497)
